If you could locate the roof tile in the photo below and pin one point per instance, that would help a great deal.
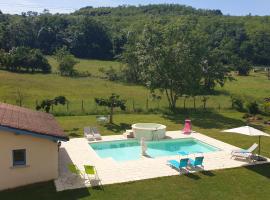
(29, 120)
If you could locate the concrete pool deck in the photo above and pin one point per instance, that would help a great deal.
(109, 171)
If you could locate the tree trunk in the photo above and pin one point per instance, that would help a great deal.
(111, 115)
(171, 99)
(194, 103)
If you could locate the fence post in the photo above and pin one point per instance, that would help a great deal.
(67, 106)
(133, 105)
(82, 107)
(147, 104)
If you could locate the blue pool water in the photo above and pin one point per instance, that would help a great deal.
(131, 150)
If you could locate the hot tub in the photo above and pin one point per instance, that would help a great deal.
(150, 131)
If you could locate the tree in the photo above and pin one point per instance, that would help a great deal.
(66, 62)
(214, 72)
(89, 39)
(170, 59)
(24, 58)
(48, 103)
(112, 102)
(133, 71)
(37, 61)
(243, 67)
(204, 100)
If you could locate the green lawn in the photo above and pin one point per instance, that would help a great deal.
(236, 184)
(209, 123)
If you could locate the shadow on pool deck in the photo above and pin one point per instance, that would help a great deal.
(69, 180)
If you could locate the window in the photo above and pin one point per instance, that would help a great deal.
(19, 157)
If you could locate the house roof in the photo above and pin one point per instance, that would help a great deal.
(30, 122)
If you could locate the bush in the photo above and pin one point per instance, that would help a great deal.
(246, 116)
(110, 74)
(237, 103)
(253, 108)
(267, 107)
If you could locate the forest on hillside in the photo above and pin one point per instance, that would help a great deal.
(102, 33)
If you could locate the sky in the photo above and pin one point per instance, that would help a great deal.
(231, 7)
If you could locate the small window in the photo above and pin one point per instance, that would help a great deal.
(19, 157)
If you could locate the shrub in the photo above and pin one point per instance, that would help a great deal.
(110, 74)
(253, 108)
(246, 116)
(237, 103)
(267, 107)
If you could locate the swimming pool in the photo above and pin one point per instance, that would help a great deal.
(124, 150)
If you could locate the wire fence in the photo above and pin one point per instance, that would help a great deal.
(84, 107)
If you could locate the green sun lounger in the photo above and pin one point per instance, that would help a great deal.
(91, 170)
(74, 169)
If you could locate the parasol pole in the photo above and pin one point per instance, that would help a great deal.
(259, 144)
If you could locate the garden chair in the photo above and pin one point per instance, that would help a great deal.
(96, 133)
(197, 162)
(179, 165)
(88, 134)
(247, 154)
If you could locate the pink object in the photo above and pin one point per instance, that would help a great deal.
(187, 127)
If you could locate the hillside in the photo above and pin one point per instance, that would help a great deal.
(102, 33)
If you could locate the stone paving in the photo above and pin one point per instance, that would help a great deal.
(109, 171)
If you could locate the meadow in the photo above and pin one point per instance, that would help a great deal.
(81, 91)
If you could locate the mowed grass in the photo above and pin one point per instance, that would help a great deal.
(231, 184)
(208, 123)
(36, 87)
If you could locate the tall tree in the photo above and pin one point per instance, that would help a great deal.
(171, 60)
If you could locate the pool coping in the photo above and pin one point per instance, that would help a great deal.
(162, 140)
(78, 151)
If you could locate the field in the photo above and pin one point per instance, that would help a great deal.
(240, 183)
(86, 89)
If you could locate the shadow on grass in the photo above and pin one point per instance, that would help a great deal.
(45, 190)
(192, 176)
(73, 132)
(262, 169)
(207, 119)
(219, 92)
(116, 128)
(207, 173)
